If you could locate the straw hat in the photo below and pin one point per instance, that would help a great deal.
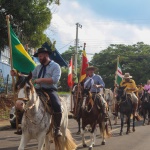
(90, 68)
(127, 76)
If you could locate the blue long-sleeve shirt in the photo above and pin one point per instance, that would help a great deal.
(98, 81)
(52, 71)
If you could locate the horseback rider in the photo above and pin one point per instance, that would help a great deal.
(97, 84)
(147, 86)
(130, 88)
(46, 76)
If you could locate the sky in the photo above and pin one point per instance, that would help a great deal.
(104, 22)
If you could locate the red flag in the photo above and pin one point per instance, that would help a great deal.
(70, 75)
(84, 66)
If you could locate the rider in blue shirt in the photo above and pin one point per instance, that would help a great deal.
(96, 83)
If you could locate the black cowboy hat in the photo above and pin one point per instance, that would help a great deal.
(90, 68)
(41, 50)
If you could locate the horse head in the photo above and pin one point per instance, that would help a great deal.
(121, 93)
(86, 94)
(25, 90)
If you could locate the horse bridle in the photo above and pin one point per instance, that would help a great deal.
(26, 99)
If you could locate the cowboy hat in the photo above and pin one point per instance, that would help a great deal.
(41, 50)
(90, 68)
(127, 76)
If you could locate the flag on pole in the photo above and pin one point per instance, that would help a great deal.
(118, 74)
(21, 59)
(70, 75)
(84, 65)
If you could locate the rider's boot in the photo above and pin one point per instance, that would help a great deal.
(57, 121)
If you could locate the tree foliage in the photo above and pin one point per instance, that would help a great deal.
(70, 53)
(29, 19)
(134, 59)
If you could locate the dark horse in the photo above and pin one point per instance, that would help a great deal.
(91, 114)
(125, 108)
(77, 100)
(146, 106)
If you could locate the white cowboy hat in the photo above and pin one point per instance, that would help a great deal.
(127, 75)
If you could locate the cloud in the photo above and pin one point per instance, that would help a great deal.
(97, 32)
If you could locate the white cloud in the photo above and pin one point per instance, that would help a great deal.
(97, 32)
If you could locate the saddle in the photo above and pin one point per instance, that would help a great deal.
(96, 99)
(44, 97)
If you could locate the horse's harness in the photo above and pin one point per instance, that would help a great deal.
(25, 100)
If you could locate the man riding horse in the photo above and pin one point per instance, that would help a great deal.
(46, 76)
(96, 82)
(130, 88)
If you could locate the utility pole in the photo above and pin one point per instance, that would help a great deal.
(76, 47)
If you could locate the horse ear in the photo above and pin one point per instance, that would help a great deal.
(30, 76)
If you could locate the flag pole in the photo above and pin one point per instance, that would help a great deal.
(116, 69)
(11, 64)
(71, 86)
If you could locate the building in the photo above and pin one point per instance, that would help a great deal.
(5, 65)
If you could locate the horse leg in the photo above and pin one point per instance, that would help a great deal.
(93, 139)
(144, 117)
(102, 131)
(24, 140)
(41, 140)
(122, 123)
(128, 124)
(149, 117)
(116, 119)
(47, 142)
(79, 126)
(133, 129)
(83, 138)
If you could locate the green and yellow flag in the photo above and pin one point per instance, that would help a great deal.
(21, 59)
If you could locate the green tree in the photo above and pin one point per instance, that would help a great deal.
(133, 59)
(70, 52)
(29, 19)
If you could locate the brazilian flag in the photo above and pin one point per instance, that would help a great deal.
(22, 61)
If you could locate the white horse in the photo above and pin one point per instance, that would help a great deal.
(109, 97)
(37, 123)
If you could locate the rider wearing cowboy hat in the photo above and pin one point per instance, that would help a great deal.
(96, 84)
(131, 88)
(46, 76)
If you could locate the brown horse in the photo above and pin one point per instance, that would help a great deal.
(77, 100)
(91, 114)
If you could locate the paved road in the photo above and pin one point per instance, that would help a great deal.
(138, 140)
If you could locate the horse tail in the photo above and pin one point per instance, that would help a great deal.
(69, 141)
(65, 143)
(138, 117)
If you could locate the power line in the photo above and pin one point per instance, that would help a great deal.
(66, 45)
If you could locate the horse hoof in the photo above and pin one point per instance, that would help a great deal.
(133, 130)
(78, 133)
(127, 132)
(103, 143)
(121, 133)
(84, 145)
(90, 148)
